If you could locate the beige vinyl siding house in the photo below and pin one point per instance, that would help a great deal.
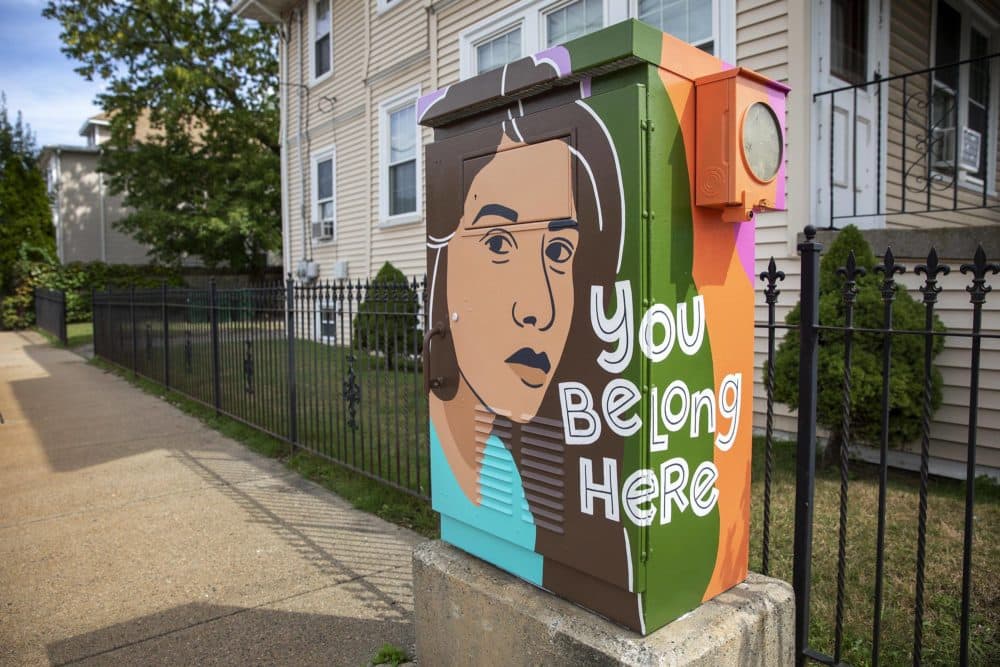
(384, 54)
(83, 212)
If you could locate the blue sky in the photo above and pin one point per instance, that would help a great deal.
(38, 79)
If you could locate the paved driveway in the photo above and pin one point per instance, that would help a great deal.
(132, 534)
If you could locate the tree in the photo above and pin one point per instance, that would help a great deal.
(25, 216)
(906, 384)
(204, 178)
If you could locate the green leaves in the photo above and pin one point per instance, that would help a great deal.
(906, 385)
(24, 203)
(192, 95)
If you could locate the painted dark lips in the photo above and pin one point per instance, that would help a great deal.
(528, 357)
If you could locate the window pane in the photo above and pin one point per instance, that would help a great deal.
(403, 188)
(947, 44)
(498, 51)
(979, 72)
(326, 210)
(403, 134)
(574, 20)
(322, 58)
(322, 18)
(849, 40)
(690, 20)
(324, 179)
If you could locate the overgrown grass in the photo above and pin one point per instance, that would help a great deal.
(362, 492)
(942, 594)
(390, 655)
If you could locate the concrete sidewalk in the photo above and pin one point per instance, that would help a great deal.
(132, 534)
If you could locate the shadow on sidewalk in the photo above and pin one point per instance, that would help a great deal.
(199, 633)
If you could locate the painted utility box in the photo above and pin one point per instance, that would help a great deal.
(589, 359)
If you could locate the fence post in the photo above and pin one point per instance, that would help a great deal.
(216, 376)
(93, 317)
(166, 334)
(131, 317)
(293, 422)
(805, 451)
(63, 335)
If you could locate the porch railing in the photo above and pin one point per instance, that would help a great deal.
(918, 143)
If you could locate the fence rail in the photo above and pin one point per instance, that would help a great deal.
(331, 368)
(50, 312)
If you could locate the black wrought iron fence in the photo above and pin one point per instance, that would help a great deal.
(331, 368)
(50, 312)
(810, 330)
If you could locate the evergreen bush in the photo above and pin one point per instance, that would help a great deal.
(387, 318)
(906, 380)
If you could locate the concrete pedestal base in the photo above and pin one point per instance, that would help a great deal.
(470, 613)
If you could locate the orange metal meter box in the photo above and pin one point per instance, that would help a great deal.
(739, 149)
(589, 355)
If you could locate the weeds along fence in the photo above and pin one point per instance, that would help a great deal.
(50, 312)
(334, 369)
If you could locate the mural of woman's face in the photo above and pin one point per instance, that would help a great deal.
(510, 275)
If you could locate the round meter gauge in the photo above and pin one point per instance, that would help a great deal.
(761, 141)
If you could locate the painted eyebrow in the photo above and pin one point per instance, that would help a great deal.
(496, 209)
(564, 223)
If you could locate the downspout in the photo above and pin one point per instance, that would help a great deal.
(432, 41)
(286, 239)
(303, 138)
(104, 235)
(59, 206)
(368, 115)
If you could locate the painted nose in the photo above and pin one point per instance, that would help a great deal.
(535, 308)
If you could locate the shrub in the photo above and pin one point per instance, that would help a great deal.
(387, 319)
(37, 266)
(906, 383)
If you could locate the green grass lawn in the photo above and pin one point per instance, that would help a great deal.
(79, 333)
(942, 593)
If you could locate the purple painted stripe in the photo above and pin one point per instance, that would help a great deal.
(558, 57)
(426, 101)
(744, 247)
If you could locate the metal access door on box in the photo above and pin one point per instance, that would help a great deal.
(589, 358)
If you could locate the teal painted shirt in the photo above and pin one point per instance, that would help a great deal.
(501, 529)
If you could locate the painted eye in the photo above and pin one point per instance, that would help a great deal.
(498, 245)
(559, 251)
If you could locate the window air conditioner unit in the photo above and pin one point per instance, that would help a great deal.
(943, 149)
(969, 151)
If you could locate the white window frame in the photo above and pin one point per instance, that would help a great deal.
(530, 15)
(543, 23)
(385, 108)
(311, 31)
(327, 153)
(517, 24)
(382, 6)
(973, 15)
(322, 307)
